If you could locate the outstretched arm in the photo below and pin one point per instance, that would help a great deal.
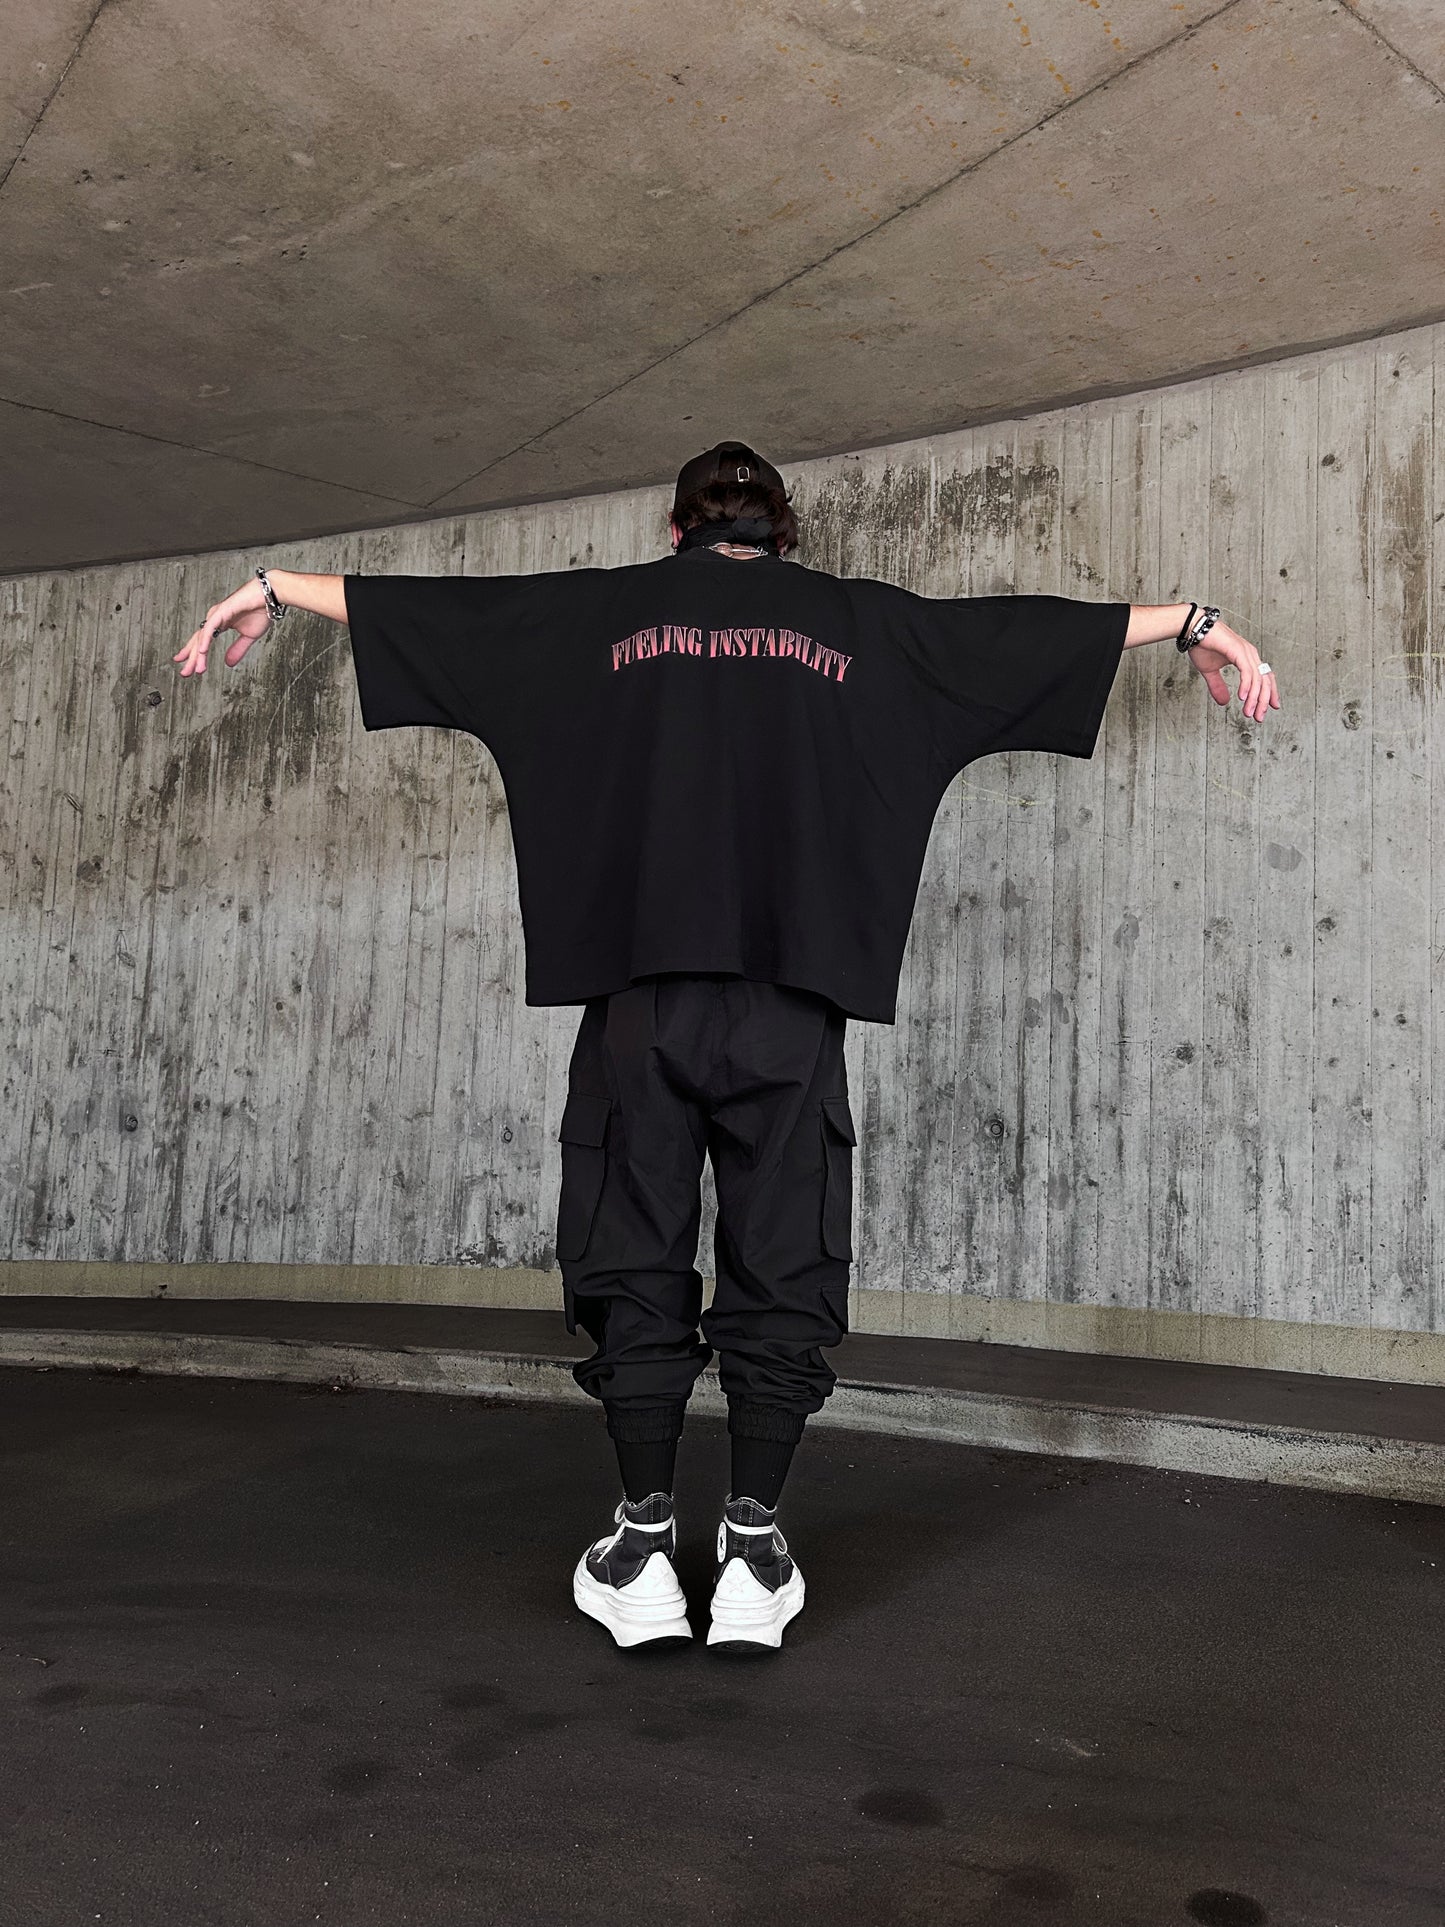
(245, 612)
(1160, 622)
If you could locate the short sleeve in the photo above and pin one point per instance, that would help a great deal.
(1014, 671)
(438, 649)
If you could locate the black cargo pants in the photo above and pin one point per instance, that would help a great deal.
(751, 1075)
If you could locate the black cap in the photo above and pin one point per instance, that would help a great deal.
(727, 462)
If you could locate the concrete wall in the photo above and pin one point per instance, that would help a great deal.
(1164, 1072)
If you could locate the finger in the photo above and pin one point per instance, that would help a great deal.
(1235, 649)
(216, 620)
(238, 649)
(1248, 684)
(187, 656)
(198, 653)
(208, 636)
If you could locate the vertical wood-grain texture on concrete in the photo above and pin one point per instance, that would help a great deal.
(1165, 1035)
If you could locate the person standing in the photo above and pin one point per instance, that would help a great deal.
(722, 768)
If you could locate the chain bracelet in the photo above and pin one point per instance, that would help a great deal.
(275, 608)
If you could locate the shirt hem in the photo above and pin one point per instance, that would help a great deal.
(540, 997)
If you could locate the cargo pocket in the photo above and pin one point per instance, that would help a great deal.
(583, 1136)
(838, 1141)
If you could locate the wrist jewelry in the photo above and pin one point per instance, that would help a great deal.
(1184, 640)
(274, 608)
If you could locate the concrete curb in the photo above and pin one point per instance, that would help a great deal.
(1387, 1468)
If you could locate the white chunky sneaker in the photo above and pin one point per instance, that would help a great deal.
(628, 1581)
(758, 1587)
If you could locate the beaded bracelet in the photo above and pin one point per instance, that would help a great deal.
(1184, 641)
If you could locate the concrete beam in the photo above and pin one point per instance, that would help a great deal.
(263, 285)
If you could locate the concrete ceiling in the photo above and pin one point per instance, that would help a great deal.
(273, 270)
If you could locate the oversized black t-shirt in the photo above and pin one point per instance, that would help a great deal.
(717, 764)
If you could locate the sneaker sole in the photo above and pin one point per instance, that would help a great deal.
(653, 1622)
(754, 1632)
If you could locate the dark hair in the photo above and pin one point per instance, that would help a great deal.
(726, 501)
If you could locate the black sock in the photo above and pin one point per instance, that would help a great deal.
(646, 1441)
(646, 1466)
(759, 1468)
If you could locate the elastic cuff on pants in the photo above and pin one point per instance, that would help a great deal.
(645, 1424)
(748, 1419)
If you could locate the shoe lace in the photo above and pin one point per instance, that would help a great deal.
(603, 1547)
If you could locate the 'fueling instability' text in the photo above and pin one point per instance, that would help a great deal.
(672, 640)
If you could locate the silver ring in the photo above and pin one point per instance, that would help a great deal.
(1265, 670)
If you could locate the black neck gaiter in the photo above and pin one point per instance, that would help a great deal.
(745, 529)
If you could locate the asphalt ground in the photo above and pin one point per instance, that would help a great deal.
(281, 1655)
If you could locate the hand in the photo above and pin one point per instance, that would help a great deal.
(245, 612)
(1257, 693)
